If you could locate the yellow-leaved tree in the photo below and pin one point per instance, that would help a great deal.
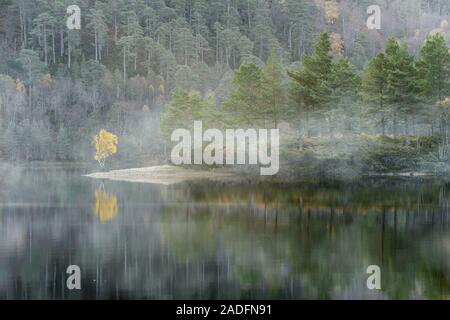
(105, 146)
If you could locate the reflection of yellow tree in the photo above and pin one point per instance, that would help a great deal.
(105, 206)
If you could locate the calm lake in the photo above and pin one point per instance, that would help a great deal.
(221, 241)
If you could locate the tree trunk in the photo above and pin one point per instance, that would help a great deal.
(290, 39)
(115, 30)
(394, 126)
(45, 46)
(61, 37)
(29, 86)
(96, 45)
(383, 125)
(53, 45)
(124, 64)
(69, 51)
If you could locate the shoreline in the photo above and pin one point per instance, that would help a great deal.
(163, 175)
(170, 175)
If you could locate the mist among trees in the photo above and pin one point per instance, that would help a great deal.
(340, 93)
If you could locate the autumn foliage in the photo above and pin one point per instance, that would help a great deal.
(105, 146)
(106, 207)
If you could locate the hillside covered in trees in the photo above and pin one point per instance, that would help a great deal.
(347, 99)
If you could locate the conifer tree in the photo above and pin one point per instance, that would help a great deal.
(244, 103)
(434, 68)
(273, 91)
(311, 86)
(402, 89)
(375, 86)
(184, 108)
(344, 85)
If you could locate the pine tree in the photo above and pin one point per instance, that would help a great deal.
(375, 86)
(184, 108)
(273, 90)
(131, 39)
(151, 21)
(32, 68)
(150, 47)
(185, 44)
(97, 23)
(434, 68)
(262, 30)
(167, 68)
(311, 88)
(126, 42)
(344, 81)
(402, 90)
(43, 29)
(344, 85)
(184, 78)
(244, 104)
(301, 26)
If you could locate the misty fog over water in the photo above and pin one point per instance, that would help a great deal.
(213, 240)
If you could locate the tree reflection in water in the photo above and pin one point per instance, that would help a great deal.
(106, 207)
(213, 240)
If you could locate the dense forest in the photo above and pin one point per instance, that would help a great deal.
(353, 98)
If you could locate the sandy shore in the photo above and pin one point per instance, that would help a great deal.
(165, 175)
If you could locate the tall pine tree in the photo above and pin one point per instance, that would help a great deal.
(311, 88)
(434, 68)
(402, 89)
(374, 87)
